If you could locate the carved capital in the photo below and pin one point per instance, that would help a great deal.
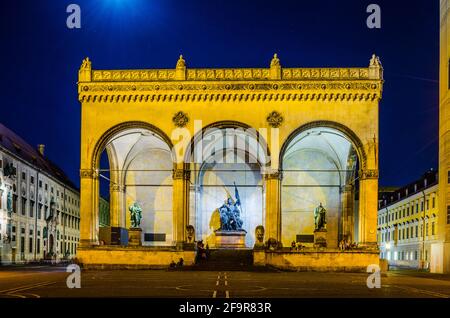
(178, 174)
(116, 188)
(368, 174)
(88, 174)
(277, 175)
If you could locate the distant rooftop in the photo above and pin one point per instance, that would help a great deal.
(388, 197)
(20, 148)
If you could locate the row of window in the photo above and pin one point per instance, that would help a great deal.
(409, 232)
(406, 211)
(64, 196)
(403, 255)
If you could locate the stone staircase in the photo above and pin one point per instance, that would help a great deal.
(226, 260)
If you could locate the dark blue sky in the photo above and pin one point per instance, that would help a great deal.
(40, 58)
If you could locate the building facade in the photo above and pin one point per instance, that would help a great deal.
(180, 141)
(408, 223)
(39, 205)
(442, 250)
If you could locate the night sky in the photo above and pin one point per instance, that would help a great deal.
(40, 58)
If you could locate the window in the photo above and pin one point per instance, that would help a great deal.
(14, 203)
(407, 211)
(30, 245)
(433, 230)
(22, 245)
(39, 212)
(417, 231)
(433, 202)
(38, 245)
(24, 206)
(51, 189)
(428, 205)
(24, 176)
(426, 229)
(415, 255)
(448, 176)
(448, 214)
(417, 207)
(421, 206)
(31, 209)
(40, 183)
(46, 187)
(32, 180)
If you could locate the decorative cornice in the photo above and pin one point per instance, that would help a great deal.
(368, 174)
(338, 91)
(260, 84)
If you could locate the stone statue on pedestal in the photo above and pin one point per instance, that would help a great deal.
(136, 215)
(230, 213)
(320, 221)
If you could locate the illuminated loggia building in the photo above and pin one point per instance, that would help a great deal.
(176, 141)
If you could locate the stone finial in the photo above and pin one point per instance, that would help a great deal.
(275, 62)
(375, 68)
(180, 70)
(275, 68)
(181, 63)
(84, 74)
(375, 61)
(86, 64)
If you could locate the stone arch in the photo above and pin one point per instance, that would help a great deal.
(223, 125)
(353, 137)
(104, 139)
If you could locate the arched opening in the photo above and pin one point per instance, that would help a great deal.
(320, 165)
(135, 168)
(223, 158)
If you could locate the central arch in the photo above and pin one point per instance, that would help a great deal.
(220, 155)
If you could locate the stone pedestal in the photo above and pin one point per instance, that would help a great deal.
(320, 238)
(230, 239)
(134, 237)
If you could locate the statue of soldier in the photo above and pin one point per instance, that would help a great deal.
(320, 217)
(136, 215)
(230, 213)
